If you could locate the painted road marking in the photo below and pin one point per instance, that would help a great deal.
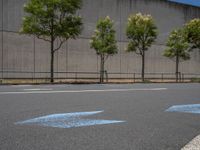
(38, 89)
(193, 145)
(190, 108)
(68, 120)
(83, 91)
(21, 85)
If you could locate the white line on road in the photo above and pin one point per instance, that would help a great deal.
(21, 85)
(83, 91)
(37, 89)
(193, 145)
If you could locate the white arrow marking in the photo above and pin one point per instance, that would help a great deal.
(190, 108)
(68, 120)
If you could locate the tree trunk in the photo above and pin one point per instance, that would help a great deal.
(102, 68)
(143, 65)
(52, 60)
(177, 68)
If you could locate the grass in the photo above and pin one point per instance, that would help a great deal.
(147, 81)
(196, 80)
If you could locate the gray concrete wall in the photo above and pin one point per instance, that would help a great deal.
(1, 55)
(1, 14)
(26, 53)
(12, 14)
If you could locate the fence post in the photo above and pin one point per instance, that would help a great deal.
(134, 77)
(162, 77)
(182, 77)
(1, 79)
(75, 76)
(106, 73)
(32, 77)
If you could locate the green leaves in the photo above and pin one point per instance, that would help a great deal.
(192, 30)
(177, 45)
(182, 41)
(50, 20)
(103, 40)
(55, 18)
(141, 32)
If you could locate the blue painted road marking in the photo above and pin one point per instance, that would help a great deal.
(190, 108)
(67, 120)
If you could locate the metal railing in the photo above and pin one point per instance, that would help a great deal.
(7, 76)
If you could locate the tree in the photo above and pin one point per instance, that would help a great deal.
(178, 48)
(52, 20)
(192, 30)
(141, 32)
(103, 41)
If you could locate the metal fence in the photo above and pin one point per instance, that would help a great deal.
(89, 77)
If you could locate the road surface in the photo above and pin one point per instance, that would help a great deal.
(144, 123)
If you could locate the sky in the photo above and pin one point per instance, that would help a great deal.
(188, 2)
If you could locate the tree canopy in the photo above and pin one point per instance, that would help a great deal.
(178, 48)
(177, 45)
(192, 29)
(52, 20)
(55, 18)
(141, 32)
(104, 42)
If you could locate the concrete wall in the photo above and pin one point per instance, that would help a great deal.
(26, 53)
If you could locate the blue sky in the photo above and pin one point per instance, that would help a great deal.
(188, 2)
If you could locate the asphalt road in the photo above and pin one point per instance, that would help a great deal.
(147, 125)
